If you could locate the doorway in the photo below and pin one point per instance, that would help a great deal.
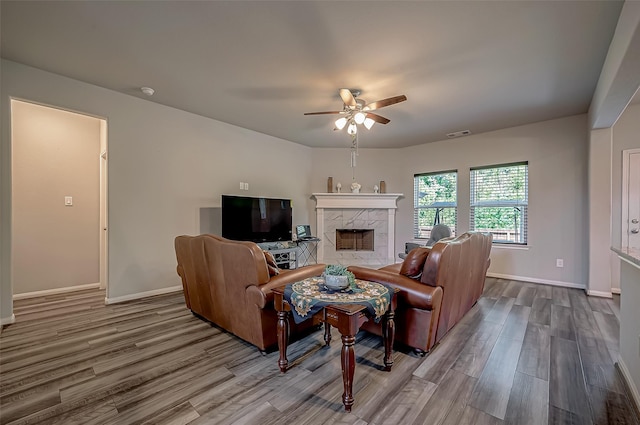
(59, 200)
(631, 198)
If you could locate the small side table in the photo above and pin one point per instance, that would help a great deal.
(308, 253)
(347, 318)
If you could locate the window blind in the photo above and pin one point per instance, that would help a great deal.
(434, 202)
(499, 201)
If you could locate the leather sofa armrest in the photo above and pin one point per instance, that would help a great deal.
(262, 296)
(412, 293)
(393, 268)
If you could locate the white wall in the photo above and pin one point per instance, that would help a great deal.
(600, 255)
(557, 155)
(164, 165)
(55, 154)
(372, 166)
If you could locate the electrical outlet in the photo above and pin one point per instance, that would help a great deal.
(559, 262)
(246, 186)
(241, 185)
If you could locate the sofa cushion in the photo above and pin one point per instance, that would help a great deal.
(414, 263)
(271, 264)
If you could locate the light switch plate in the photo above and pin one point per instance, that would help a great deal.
(68, 201)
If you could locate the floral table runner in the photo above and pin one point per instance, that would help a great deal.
(309, 296)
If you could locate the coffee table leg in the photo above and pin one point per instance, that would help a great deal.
(327, 333)
(348, 368)
(283, 339)
(388, 335)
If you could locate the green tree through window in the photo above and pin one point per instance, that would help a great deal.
(499, 201)
(435, 202)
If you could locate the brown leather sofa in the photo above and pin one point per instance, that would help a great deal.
(437, 286)
(228, 283)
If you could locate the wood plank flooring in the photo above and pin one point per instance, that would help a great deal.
(525, 354)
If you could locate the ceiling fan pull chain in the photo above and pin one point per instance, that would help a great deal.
(354, 154)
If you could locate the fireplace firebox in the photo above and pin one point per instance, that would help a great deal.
(355, 240)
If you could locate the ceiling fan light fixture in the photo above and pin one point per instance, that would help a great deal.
(368, 123)
(340, 123)
(357, 111)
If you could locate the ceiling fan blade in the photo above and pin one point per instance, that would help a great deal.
(323, 113)
(347, 98)
(384, 102)
(378, 118)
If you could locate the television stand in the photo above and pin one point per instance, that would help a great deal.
(284, 253)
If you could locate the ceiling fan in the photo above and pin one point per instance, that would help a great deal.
(357, 111)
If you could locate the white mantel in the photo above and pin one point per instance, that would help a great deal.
(362, 207)
(357, 200)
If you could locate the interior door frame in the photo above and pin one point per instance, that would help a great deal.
(104, 216)
(624, 224)
(103, 194)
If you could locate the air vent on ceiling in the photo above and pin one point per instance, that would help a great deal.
(459, 134)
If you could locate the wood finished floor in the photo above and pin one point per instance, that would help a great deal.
(525, 354)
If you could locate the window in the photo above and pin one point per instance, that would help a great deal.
(499, 198)
(434, 202)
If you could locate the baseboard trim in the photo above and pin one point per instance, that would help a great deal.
(8, 320)
(56, 291)
(601, 294)
(632, 390)
(615, 291)
(536, 280)
(139, 295)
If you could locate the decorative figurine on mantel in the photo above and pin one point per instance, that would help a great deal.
(355, 187)
(339, 187)
(375, 188)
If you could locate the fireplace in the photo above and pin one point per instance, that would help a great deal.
(354, 239)
(356, 229)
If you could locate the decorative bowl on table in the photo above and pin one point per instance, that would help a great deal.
(336, 283)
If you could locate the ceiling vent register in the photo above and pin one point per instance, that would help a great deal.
(459, 134)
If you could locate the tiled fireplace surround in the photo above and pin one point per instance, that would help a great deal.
(356, 211)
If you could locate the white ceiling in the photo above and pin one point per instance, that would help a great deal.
(472, 65)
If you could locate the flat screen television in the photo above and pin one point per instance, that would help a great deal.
(256, 219)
